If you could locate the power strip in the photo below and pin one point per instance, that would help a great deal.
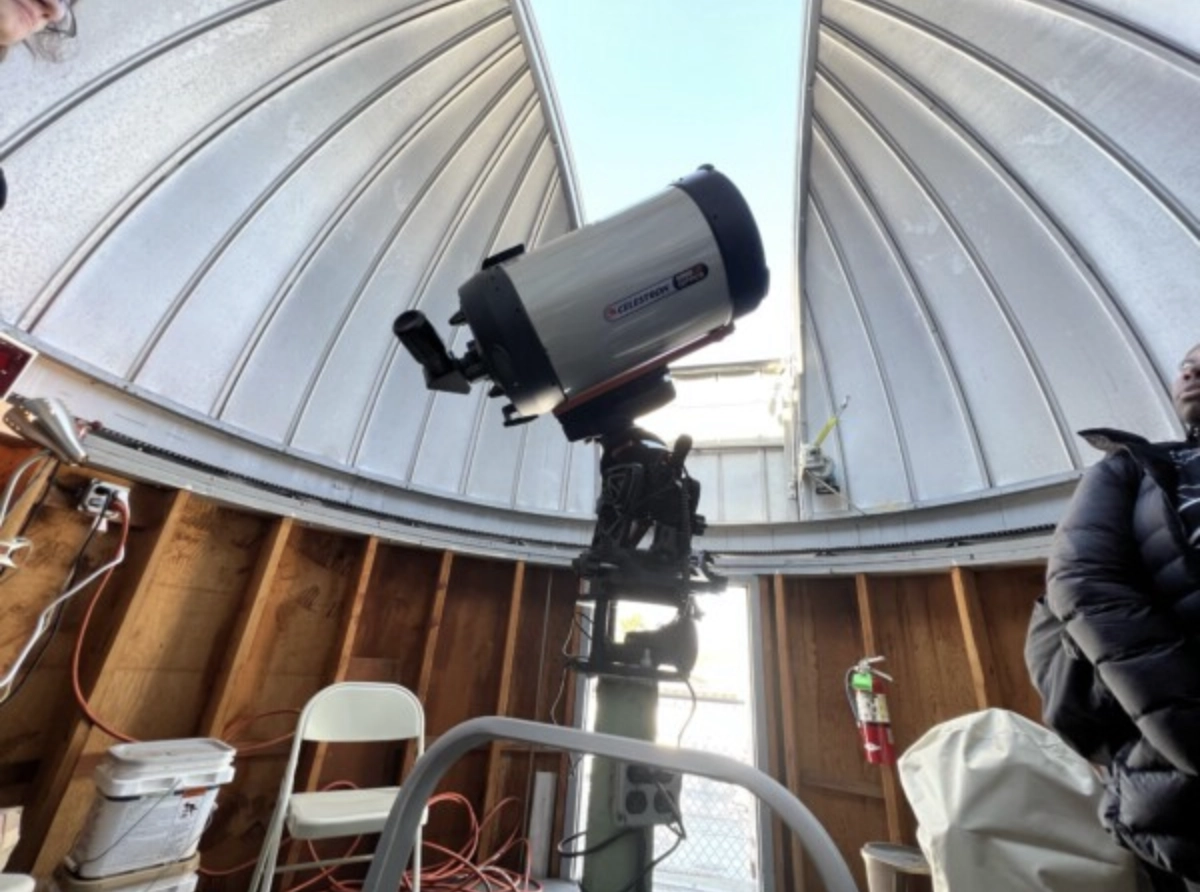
(644, 797)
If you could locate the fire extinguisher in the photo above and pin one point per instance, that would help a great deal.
(866, 691)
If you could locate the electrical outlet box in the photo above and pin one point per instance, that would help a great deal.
(99, 493)
(645, 796)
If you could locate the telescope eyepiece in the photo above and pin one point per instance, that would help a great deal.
(421, 340)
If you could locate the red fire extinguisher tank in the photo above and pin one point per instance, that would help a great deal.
(866, 691)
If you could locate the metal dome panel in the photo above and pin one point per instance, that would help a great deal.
(220, 209)
(999, 238)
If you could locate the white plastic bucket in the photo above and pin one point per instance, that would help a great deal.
(153, 802)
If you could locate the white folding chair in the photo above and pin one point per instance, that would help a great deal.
(351, 712)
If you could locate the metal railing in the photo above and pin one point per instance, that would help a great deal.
(396, 843)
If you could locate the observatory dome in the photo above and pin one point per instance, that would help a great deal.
(996, 238)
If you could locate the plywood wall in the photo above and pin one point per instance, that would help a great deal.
(954, 643)
(222, 623)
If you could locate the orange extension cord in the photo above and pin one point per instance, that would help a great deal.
(458, 871)
(83, 626)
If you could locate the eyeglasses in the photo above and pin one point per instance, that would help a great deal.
(64, 27)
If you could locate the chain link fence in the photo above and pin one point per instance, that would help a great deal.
(720, 853)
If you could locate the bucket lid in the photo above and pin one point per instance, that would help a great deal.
(158, 754)
(906, 859)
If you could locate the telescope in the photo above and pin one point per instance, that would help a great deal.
(586, 325)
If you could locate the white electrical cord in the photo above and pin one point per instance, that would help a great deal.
(10, 547)
(46, 618)
(11, 488)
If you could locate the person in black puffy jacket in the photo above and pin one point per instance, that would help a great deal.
(1114, 646)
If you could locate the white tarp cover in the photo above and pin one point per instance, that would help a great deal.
(1003, 804)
